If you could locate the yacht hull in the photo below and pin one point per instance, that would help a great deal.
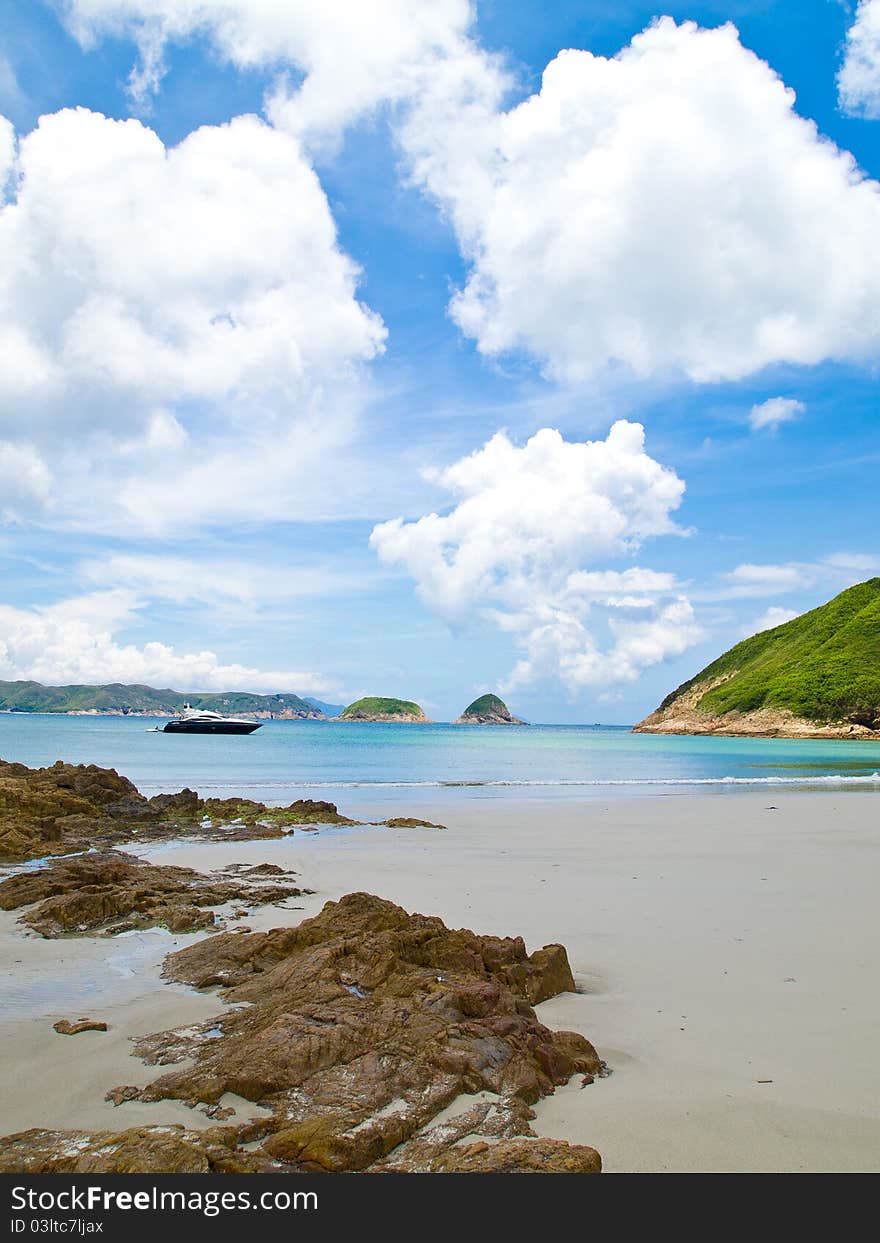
(210, 727)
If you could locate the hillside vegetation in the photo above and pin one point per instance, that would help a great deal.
(485, 703)
(488, 710)
(823, 667)
(376, 708)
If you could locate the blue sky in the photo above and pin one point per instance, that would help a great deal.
(243, 362)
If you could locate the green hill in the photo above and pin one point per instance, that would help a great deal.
(143, 700)
(375, 708)
(822, 668)
(488, 710)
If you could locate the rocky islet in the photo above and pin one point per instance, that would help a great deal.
(488, 710)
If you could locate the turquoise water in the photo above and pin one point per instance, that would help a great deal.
(293, 759)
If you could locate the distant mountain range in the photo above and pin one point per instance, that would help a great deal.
(817, 676)
(328, 709)
(118, 699)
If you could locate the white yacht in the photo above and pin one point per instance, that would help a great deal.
(197, 721)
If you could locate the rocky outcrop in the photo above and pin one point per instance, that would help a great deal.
(366, 1032)
(139, 1150)
(375, 708)
(362, 1024)
(109, 892)
(55, 810)
(683, 715)
(515, 1156)
(487, 710)
(242, 819)
(410, 822)
(66, 808)
(66, 1027)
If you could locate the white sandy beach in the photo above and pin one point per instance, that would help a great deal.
(726, 947)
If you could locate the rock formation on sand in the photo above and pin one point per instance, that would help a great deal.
(64, 1027)
(68, 807)
(410, 822)
(375, 708)
(488, 710)
(356, 1030)
(817, 676)
(109, 892)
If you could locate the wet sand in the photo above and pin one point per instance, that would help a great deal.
(725, 946)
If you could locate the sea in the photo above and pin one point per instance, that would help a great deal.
(362, 765)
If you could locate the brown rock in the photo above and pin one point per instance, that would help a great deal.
(550, 974)
(64, 1027)
(245, 819)
(362, 1026)
(122, 1094)
(409, 822)
(364, 1022)
(521, 1156)
(65, 808)
(317, 812)
(49, 811)
(112, 892)
(140, 1150)
(186, 802)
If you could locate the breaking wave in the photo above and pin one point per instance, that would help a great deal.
(825, 779)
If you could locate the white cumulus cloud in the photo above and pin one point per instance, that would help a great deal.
(515, 548)
(188, 302)
(76, 641)
(203, 271)
(665, 210)
(769, 414)
(351, 55)
(859, 79)
(561, 644)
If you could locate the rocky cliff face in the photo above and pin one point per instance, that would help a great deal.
(488, 710)
(683, 715)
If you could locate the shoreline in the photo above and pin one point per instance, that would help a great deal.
(800, 731)
(749, 924)
(804, 731)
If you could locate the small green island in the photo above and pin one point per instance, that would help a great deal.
(817, 676)
(376, 708)
(488, 710)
